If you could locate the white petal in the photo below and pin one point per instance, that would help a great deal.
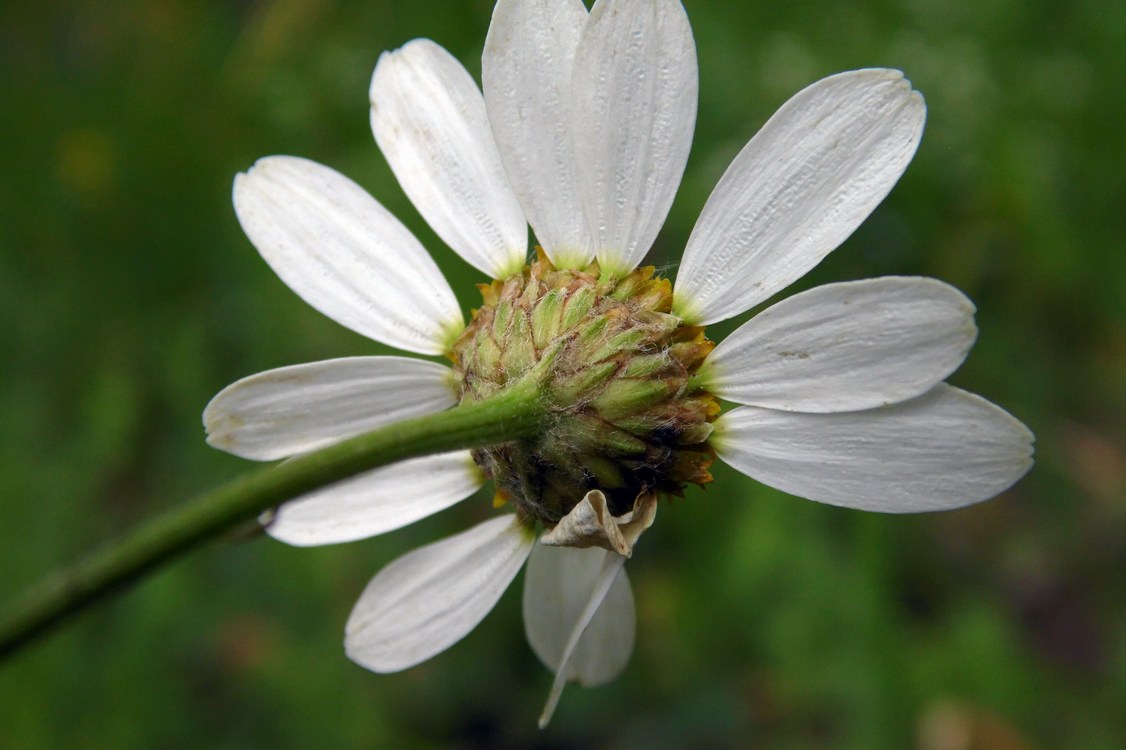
(801, 186)
(598, 589)
(377, 501)
(557, 586)
(298, 409)
(942, 450)
(345, 255)
(429, 120)
(634, 110)
(526, 72)
(846, 347)
(429, 599)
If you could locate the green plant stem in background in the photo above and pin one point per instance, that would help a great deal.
(516, 412)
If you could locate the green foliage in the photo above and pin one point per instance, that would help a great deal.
(128, 296)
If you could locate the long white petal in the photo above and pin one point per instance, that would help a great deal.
(588, 632)
(429, 599)
(557, 586)
(345, 255)
(942, 450)
(429, 120)
(635, 91)
(801, 186)
(526, 73)
(378, 501)
(846, 347)
(298, 409)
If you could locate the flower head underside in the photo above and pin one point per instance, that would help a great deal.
(582, 131)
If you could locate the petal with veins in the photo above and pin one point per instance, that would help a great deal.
(557, 586)
(345, 255)
(298, 409)
(429, 599)
(845, 347)
(595, 584)
(797, 190)
(945, 449)
(526, 73)
(429, 120)
(377, 501)
(634, 110)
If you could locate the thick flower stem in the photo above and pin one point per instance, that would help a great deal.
(516, 412)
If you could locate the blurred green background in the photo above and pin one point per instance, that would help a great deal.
(128, 296)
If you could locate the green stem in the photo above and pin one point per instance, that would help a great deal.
(516, 412)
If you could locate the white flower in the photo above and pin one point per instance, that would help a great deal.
(583, 132)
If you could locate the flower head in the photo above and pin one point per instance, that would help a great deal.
(616, 366)
(583, 131)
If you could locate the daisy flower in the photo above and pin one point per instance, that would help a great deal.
(582, 132)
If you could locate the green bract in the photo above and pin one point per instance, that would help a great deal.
(616, 366)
